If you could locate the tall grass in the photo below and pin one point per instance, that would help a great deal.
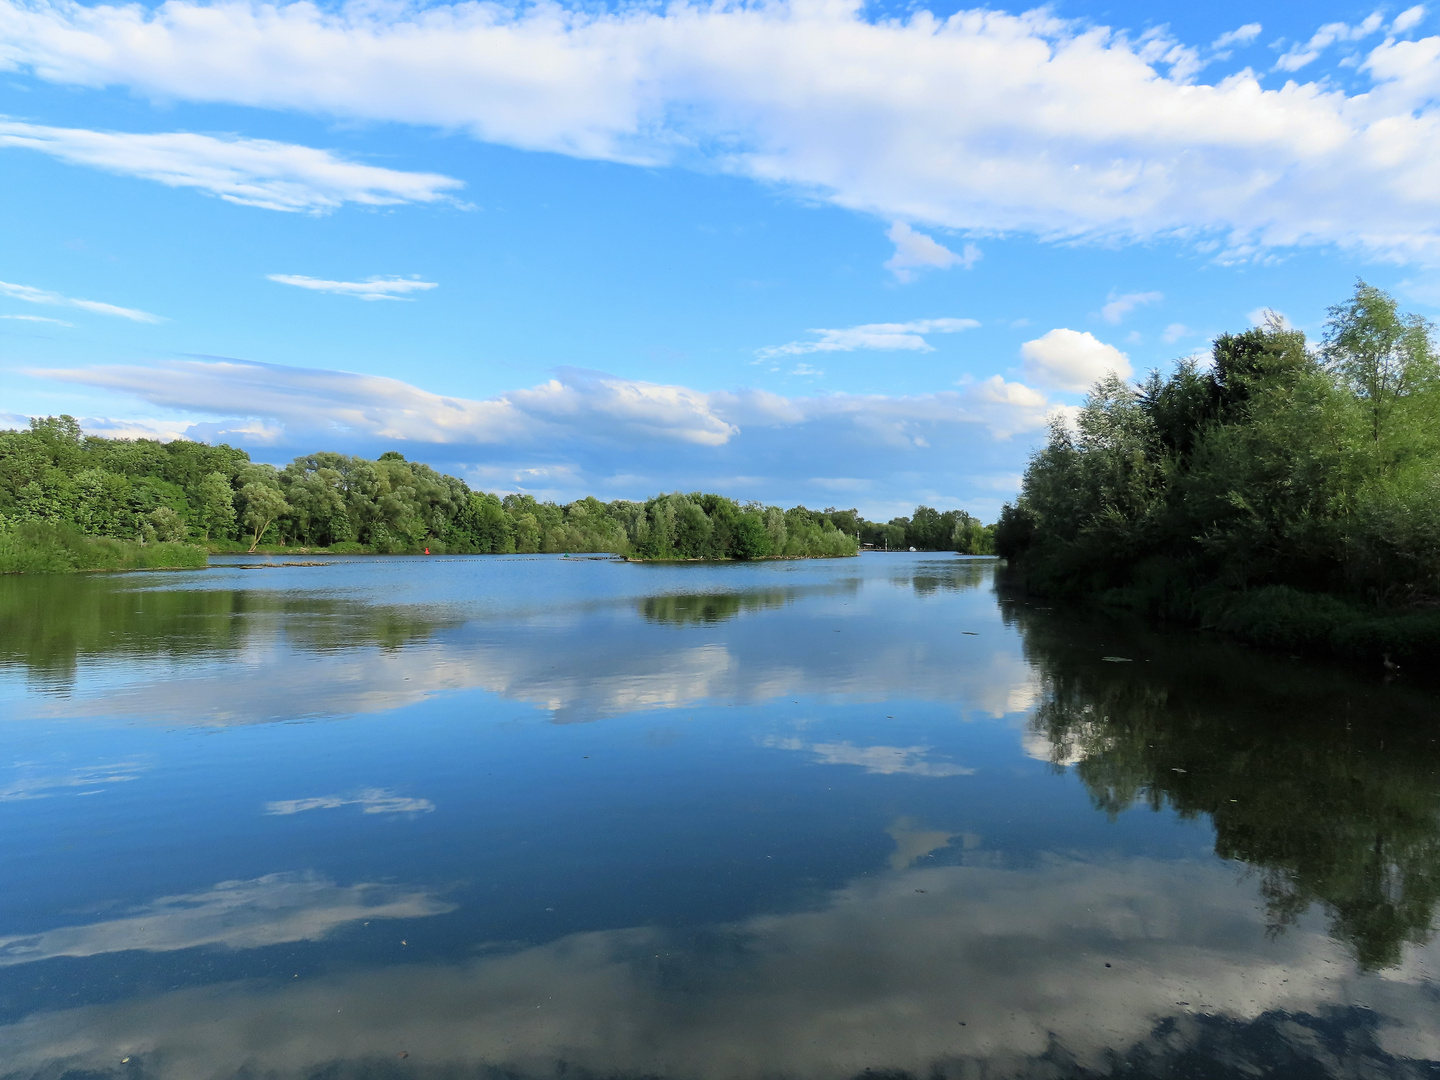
(33, 547)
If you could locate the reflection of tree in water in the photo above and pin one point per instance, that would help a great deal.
(1326, 783)
(687, 609)
(51, 623)
(952, 575)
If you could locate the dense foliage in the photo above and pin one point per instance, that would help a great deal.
(930, 530)
(1277, 467)
(37, 547)
(146, 492)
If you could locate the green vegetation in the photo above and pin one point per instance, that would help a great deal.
(38, 547)
(52, 625)
(69, 502)
(929, 530)
(1287, 495)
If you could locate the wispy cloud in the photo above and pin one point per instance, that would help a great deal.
(1408, 19)
(1299, 55)
(37, 318)
(372, 800)
(31, 295)
(915, 251)
(250, 914)
(886, 337)
(251, 172)
(1242, 35)
(1120, 306)
(374, 288)
(38, 783)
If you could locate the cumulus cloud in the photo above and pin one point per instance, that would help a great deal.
(887, 337)
(1174, 332)
(982, 120)
(385, 408)
(1120, 306)
(251, 172)
(374, 288)
(915, 251)
(269, 910)
(31, 295)
(372, 800)
(1071, 359)
(572, 432)
(577, 402)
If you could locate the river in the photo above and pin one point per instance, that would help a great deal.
(535, 816)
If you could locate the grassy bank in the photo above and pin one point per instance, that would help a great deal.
(1280, 617)
(1273, 616)
(40, 548)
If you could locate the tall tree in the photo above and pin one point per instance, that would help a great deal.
(1381, 353)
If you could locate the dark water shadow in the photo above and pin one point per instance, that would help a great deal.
(1324, 784)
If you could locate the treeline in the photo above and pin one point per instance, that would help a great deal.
(930, 530)
(146, 492)
(1288, 493)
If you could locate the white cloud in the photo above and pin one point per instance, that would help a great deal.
(36, 318)
(1329, 34)
(982, 120)
(37, 784)
(1262, 315)
(1408, 19)
(885, 760)
(375, 288)
(995, 969)
(563, 438)
(1174, 332)
(269, 910)
(251, 172)
(375, 406)
(885, 337)
(916, 251)
(1071, 359)
(32, 295)
(1120, 306)
(1243, 35)
(373, 800)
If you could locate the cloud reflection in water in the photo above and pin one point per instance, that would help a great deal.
(269, 910)
(923, 971)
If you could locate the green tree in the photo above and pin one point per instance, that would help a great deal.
(166, 525)
(264, 503)
(1384, 355)
(217, 505)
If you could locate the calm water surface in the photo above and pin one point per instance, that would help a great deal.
(540, 817)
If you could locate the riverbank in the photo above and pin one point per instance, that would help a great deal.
(41, 548)
(1279, 617)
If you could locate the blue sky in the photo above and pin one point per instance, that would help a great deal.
(810, 252)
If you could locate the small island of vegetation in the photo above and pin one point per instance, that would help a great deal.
(1286, 494)
(74, 502)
